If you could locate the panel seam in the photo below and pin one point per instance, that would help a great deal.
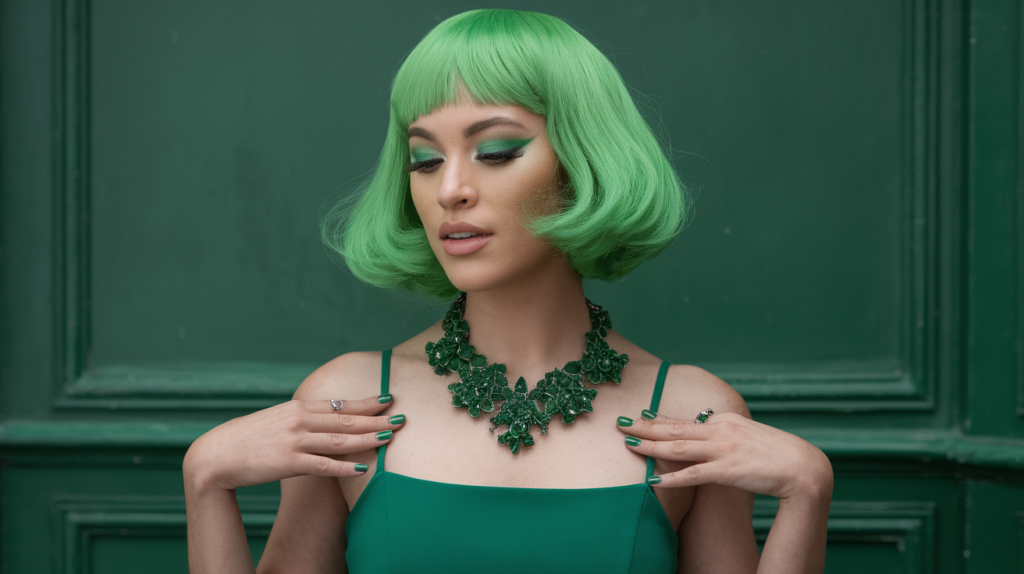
(387, 523)
(636, 534)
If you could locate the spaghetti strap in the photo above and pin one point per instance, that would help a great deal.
(380, 459)
(385, 371)
(655, 401)
(385, 376)
(658, 385)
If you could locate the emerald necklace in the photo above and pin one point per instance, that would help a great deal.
(481, 386)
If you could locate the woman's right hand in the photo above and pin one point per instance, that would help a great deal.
(299, 437)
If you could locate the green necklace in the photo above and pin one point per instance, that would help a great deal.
(482, 385)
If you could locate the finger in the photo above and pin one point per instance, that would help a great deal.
(649, 415)
(367, 406)
(342, 443)
(353, 424)
(665, 428)
(678, 450)
(693, 475)
(323, 466)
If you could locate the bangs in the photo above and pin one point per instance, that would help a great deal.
(497, 55)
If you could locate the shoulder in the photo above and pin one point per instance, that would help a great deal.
(358, 375)
(349, 376)
(690, 389)
(687, 391)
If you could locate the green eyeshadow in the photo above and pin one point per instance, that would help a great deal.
(495, 146)
(419, 154)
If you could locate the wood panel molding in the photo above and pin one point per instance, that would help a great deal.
(77, 384)
(1019, 546)
(81, 521)
(908, 526)
(1020, 216)
(910, 384)
(906, 383)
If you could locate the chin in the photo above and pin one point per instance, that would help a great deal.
(484, 272)
(476, 280)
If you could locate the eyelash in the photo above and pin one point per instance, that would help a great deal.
(493, 158)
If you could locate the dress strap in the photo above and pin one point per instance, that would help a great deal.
(385, 376)
(385, 372)
(655, 401)
(658, 385)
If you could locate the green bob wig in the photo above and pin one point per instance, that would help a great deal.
(623, 202)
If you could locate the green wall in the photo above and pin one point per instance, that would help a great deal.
(853, 268)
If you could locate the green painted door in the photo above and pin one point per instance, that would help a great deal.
(853, 268)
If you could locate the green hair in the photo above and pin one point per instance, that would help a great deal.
(623, 201)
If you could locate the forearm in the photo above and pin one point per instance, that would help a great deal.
(216, 536)
(796, 543)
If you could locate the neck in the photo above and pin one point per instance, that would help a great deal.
(532, 326)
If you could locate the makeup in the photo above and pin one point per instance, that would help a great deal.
(463, 238)
(419, 154)
(424, 158)
(467, 245)
(501, 148)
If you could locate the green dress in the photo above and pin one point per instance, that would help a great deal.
(404, 525)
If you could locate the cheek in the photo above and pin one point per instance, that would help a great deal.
(426, 209)
(542, 193)
(420, 200)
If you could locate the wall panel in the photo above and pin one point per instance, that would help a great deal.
(154, 316)
(139, 534)
(854, 264)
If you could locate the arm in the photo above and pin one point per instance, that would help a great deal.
(309, 531)
(295, 442)
(728, 459)
(796, 542)
(716, 535)
(216, 536)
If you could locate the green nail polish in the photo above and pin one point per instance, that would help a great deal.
(632, 441)
(384, 399)
(361, 468)
(397, 419)
(653, 480)
(625, 422)
(649, 414)
(384, 435)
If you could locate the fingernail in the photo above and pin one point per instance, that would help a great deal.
(649, 414)
(625, 422)
(384, 435)
(653, 480)
(384, 398)
(397, 420)
(361, 468)
(632, 441)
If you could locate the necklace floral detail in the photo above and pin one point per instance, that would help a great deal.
(482, 386)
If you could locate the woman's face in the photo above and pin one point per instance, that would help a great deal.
(478, 173)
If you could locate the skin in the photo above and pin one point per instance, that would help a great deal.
(527, 309)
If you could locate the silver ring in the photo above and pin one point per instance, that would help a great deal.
(336, 405)
(703, 416)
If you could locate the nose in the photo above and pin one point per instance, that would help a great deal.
(457, 188)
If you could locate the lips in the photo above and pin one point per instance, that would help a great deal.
(462, 238)
(460, 227)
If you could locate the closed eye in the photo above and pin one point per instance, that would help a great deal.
(426, 166)
(503, 156)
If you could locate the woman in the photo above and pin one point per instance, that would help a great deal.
(515, 162)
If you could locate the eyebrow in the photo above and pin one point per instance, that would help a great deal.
(471, 130)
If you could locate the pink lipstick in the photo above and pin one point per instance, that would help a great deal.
(462, 238)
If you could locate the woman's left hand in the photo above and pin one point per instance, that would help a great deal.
(732, 450)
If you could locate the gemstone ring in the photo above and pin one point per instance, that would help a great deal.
(703, 416)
